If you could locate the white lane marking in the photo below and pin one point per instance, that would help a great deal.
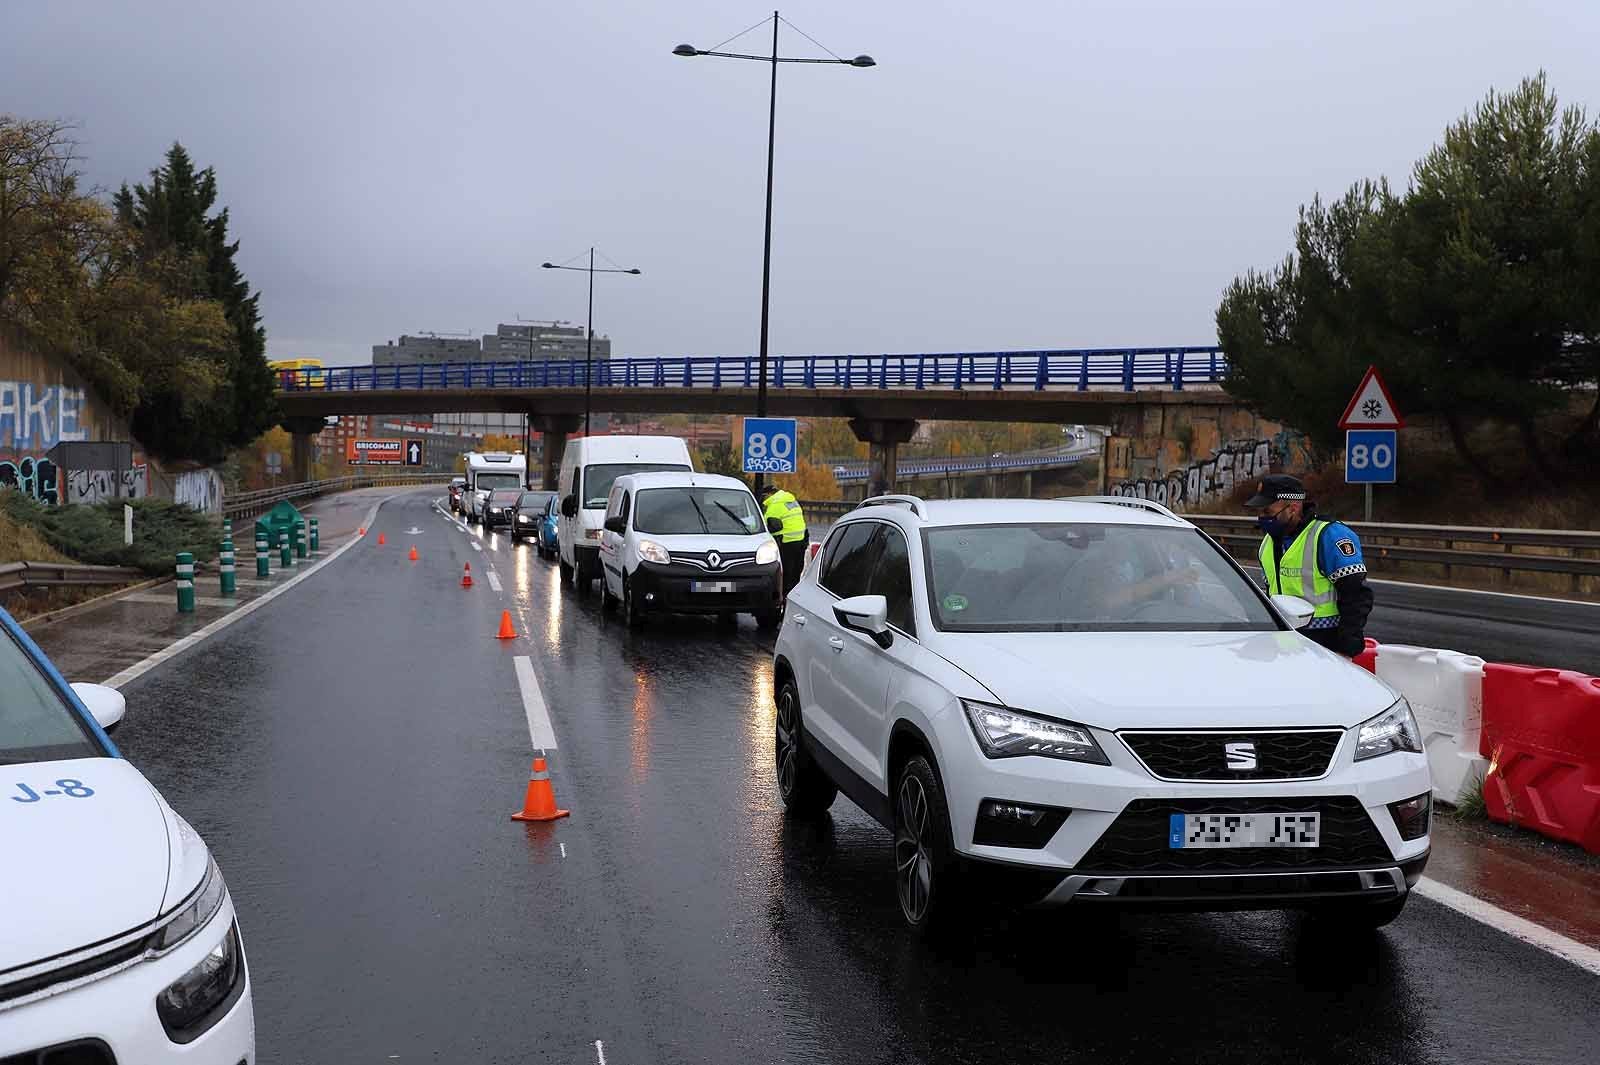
(539, 728)
(140, 668)
(1580, 954)
(494, 580)
(563, 850)
(600, 1051)
(477, 546)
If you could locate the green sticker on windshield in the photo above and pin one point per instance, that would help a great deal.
(954, 603)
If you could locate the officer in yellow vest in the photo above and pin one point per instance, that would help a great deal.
(787, 524)
(1317, 559)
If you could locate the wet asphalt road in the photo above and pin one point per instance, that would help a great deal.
(353, 750)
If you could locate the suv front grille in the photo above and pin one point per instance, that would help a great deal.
(78, 1052)
(1289, 754)
(1136, 842)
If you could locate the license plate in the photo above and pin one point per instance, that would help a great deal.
(711, 586)
(1187, 831)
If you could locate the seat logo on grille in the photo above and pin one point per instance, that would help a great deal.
(1240, 755)
(714, 560)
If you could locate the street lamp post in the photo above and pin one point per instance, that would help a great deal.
(772, 128)
(588, 332)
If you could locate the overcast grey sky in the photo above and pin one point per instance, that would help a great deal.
(1011, 175)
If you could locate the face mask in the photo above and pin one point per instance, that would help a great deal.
(1272, 525)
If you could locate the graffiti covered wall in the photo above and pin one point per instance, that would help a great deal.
(1184, 457)
(44, 403)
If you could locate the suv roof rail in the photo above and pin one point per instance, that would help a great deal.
(1125, 501)
(912, 503)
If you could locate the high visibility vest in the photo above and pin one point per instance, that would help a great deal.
(1296, 573)
(786, 508)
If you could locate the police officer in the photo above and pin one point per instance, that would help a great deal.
(787, 524)
(1316, 559)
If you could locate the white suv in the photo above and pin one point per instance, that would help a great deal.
(688, 543)
(1087, 701)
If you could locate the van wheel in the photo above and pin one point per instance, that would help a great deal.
(802, 785)
(608, 602)
(566, 571)
(630, 606)
(580, 576)
(926, 869)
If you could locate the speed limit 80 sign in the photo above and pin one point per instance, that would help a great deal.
(1369, 456)
(769, 445)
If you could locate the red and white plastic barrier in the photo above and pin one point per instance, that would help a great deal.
(1541, 734)
(1445, 690)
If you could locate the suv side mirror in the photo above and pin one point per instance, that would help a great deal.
(569, 507)
(1296, 611)
(617, 524)
(105, 705)
(868, 614)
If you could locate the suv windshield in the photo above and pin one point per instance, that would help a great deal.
(1085, 578)
(35, 724)
(597, 480)
(492, 481)
(696, 511)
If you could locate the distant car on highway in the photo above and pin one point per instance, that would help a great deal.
(120, 942)
(527, 514)
(498, 507)
(688, 543)
(1088, 702)
(548, 542)
(457, 485)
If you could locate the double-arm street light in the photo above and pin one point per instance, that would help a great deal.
(588, 342)
(772, 127)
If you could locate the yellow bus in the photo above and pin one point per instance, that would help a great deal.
(298, 373)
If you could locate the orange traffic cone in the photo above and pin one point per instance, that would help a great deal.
(361, 531)
(381, 540)
(540, 802)
(466, 576)
(413, 555)
(506, 631)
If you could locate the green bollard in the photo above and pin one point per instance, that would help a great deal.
(285, 552)
(316, 540)
(225, 569)
(261, 556)
(299, 539)
(185, 582)
(227, 528)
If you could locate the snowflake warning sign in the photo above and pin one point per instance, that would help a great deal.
(1371, 407)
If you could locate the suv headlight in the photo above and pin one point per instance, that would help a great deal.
(767, 553)
(1393, 730)
(651, 551)
(194, 916)
(1006, 733)
(199, 998)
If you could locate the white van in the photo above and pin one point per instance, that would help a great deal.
(487, 471)
(589, 466)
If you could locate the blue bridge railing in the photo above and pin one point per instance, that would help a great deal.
(1083, 370)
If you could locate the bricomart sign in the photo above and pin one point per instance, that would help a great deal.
(375, 452)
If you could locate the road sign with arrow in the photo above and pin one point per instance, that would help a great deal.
(413, 452)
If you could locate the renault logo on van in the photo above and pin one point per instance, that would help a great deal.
(714, 560)
(1240, 755)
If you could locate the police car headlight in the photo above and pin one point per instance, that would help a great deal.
(199, 998)
(767, 553)
(1393, 730)
(193, 917)
(1006, 733)
(651, 551)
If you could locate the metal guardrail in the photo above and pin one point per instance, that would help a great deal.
(1079, 370)
(32, 574)
(1442, 545)
(246, 504)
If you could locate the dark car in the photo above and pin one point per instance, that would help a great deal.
(528, 513)
(456, 485)
(498, 507)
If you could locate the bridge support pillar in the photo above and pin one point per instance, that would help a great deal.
(554, 428)
(301, 432)
(883, 437)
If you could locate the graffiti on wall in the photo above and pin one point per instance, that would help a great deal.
(94, 486)
(32, 475)
(1208, 479)
(38, 417)
(200, 489)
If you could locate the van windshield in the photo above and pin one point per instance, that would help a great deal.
(597, 480)
(492, 481)
(696, 511)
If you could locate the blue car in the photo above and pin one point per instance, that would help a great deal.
(547, 527)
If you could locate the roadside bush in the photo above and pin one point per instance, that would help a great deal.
(92, 533)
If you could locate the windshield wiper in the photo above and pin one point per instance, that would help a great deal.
(737, 521)
(704, 525)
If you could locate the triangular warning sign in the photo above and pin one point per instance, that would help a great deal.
(1371, 407)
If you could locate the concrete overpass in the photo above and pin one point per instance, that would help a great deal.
(883, 396)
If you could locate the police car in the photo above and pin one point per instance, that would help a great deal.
(118, 941)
